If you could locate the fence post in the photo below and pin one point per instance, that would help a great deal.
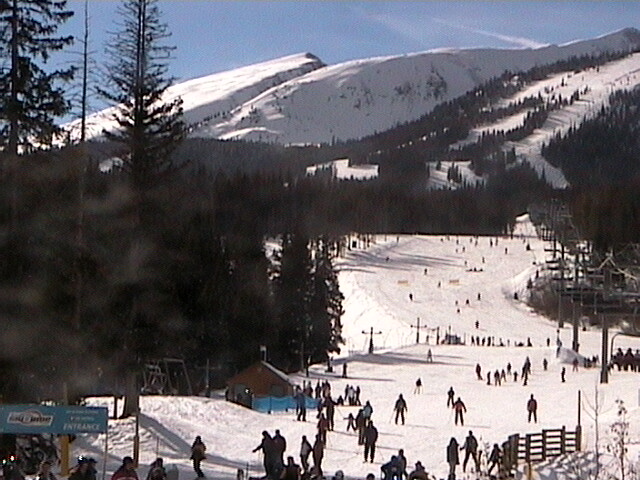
(527, 446)
(563, 440)
(544, 444)
(578, 438)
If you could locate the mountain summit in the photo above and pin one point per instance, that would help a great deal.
(298, 99)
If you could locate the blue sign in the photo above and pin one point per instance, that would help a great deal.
(59, 419)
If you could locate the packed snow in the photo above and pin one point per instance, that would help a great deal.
(449, 283)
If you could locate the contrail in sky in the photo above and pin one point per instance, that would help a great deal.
(518, 41)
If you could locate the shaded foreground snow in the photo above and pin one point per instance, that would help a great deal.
(376, 282)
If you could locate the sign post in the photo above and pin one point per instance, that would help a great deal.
(59, 420)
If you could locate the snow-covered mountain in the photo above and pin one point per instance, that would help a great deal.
(212, 98)
(298, 99)
(358, 98)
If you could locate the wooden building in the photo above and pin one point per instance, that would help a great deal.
(258, 380)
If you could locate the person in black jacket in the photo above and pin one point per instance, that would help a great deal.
(452, 457)
(197, 455)
(471, 450)
(370, 439)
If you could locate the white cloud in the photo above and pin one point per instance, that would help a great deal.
(521, 42)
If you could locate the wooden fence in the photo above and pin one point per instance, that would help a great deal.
(537, 447)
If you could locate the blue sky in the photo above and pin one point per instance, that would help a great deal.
(213, 36)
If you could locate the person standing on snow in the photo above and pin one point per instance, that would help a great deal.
(301, 407)
(198, 450)
(367, 411)
(450, 395)
(459, 408)
(532, 408)
(479, 371)
(471, 450)
(452, 458)
(370, 439)
(268, 461)
(279, 447)
(400, 407)
(305, 451)
(402, 464)
(318, 454)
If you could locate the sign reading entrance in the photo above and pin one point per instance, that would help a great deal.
(59, 419)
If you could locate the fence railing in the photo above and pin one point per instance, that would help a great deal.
(537, 447)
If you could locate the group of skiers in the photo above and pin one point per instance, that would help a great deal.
(470, 446)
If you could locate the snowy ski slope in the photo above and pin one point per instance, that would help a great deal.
(376, 281)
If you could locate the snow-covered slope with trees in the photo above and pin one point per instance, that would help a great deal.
(441, 273)
(213, 97)
(297, 99)
(358, 98)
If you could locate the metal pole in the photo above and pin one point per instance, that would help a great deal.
(579, 406)
(604, 372)
(418, 331)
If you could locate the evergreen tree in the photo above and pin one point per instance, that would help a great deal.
(292, 288)
(29, 96)
(149, 126)
(325, 332)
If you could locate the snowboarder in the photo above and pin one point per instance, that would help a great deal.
(370, 439)
(198, 450)
(545, 364)
(563, 372)
(471, 450)
(575, 364)
(411, 297)
(400, 407)
(494, 458)
(452, 458)
(450, 395)
(429, 356)
(532, 408)
(459, 408)
(305, 450)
